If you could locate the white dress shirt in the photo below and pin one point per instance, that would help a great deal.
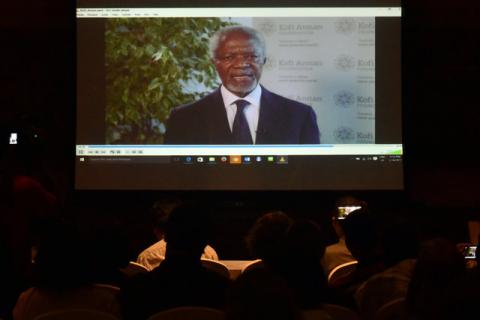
(335, 255)
(251, 111)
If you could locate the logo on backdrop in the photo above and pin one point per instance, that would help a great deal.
(365, 101)
(344, 135)
(267, 27)
(365, 137)
(345, 62)
(345, 26)
(344, 98)
(366, 64)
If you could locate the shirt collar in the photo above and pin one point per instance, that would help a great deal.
(253, 97)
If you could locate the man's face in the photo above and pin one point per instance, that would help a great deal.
(239, 61)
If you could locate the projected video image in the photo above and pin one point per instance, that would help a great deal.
(295, 80)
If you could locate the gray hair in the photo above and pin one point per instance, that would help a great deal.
(254, 34)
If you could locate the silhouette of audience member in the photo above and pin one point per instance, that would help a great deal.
(400, 243)
(439, 267)
(337, 253)
(25, 205)
(180, 280)
(291, 250)
(261, 294)
(266, 239)
(152, 256)
(302, 269)
(31, 206)
(108, 246)
(9, 277)
(461, 300)
(9, 282)
(362, 237)
(62, 278)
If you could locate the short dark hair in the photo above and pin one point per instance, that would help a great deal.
(160, 211)
(362, 234)
(188, 227)
(266, 239)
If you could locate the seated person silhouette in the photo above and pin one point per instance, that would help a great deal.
(152, 256)
(337, 253)
(363, 240)
(439, 267)
(63, 268)
(266, 239)
(180, 280)
(261, 294)
(292, 250)
(400, 246)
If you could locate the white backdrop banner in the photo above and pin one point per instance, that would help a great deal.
(328, 63)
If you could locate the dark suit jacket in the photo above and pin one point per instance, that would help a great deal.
(281, 121)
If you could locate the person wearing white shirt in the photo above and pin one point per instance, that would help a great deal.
(241, 111)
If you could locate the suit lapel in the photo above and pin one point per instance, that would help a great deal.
(217, 122)
(270, 119)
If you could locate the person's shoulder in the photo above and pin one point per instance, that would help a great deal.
(152, 256)
(27, 295)
(196, 106)
(285, 102)
(214, 277)
(157, 249)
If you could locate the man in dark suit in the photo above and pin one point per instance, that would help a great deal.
(241, 111)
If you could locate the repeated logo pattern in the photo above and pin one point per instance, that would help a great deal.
(345, 26)
(345, 62)
(344, 135)
(344, 98)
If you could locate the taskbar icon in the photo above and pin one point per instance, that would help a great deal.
(230, 160)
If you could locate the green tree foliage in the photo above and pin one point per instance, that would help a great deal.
(152, 64)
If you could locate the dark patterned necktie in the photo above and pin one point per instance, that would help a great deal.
(240, 130)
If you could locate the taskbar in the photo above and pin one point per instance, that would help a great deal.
(226, 160)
